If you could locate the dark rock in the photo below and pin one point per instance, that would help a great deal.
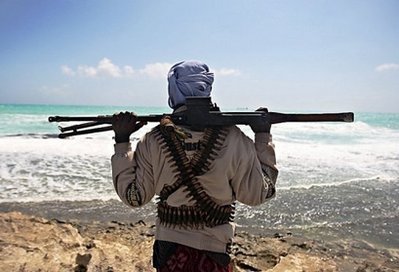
(247, 267)
(90, 244)
(83, 259)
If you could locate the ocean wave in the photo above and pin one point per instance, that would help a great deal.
(357, 181)
(31, 135)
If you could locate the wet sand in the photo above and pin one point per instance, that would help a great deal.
(108, 236)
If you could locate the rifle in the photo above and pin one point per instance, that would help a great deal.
(200, 113)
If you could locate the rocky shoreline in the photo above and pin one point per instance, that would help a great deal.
(33, 243)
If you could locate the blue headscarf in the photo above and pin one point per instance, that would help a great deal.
(188, 78)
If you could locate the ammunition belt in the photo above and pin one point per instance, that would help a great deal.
(205, 211)
(192, 217)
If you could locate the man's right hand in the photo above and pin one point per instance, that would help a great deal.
(124, 124)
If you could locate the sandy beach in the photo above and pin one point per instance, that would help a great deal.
(58, 236)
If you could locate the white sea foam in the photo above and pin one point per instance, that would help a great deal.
(354, 180)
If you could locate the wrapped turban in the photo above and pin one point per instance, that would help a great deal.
(188, 78)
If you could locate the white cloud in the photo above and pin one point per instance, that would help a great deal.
(387, 67)
(156, 70)
(87, 71)
(67, 71)
(128, 70)
(227, 72)
(105, 68)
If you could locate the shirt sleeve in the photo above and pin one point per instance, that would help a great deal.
(257, 173)
(132, 174)
(266, 154)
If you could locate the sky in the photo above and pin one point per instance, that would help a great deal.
(283, 55)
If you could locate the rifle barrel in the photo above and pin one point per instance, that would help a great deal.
(79, 126)
(104, 119)
(86, 131)
(276, 117)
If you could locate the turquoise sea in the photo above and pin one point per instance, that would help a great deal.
(336, 179)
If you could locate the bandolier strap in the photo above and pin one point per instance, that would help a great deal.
(205, 211)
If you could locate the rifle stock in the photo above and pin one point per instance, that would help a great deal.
(201, 114)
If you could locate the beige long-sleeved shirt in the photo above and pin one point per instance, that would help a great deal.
(242, 171)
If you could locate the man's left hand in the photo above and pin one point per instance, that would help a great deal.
(261, 127)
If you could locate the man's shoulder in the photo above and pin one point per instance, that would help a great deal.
(235, 130)
(235, 134)
(151, 133)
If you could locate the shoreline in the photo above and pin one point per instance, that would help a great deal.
(103, 211)
(109, 236)
(83, 211)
